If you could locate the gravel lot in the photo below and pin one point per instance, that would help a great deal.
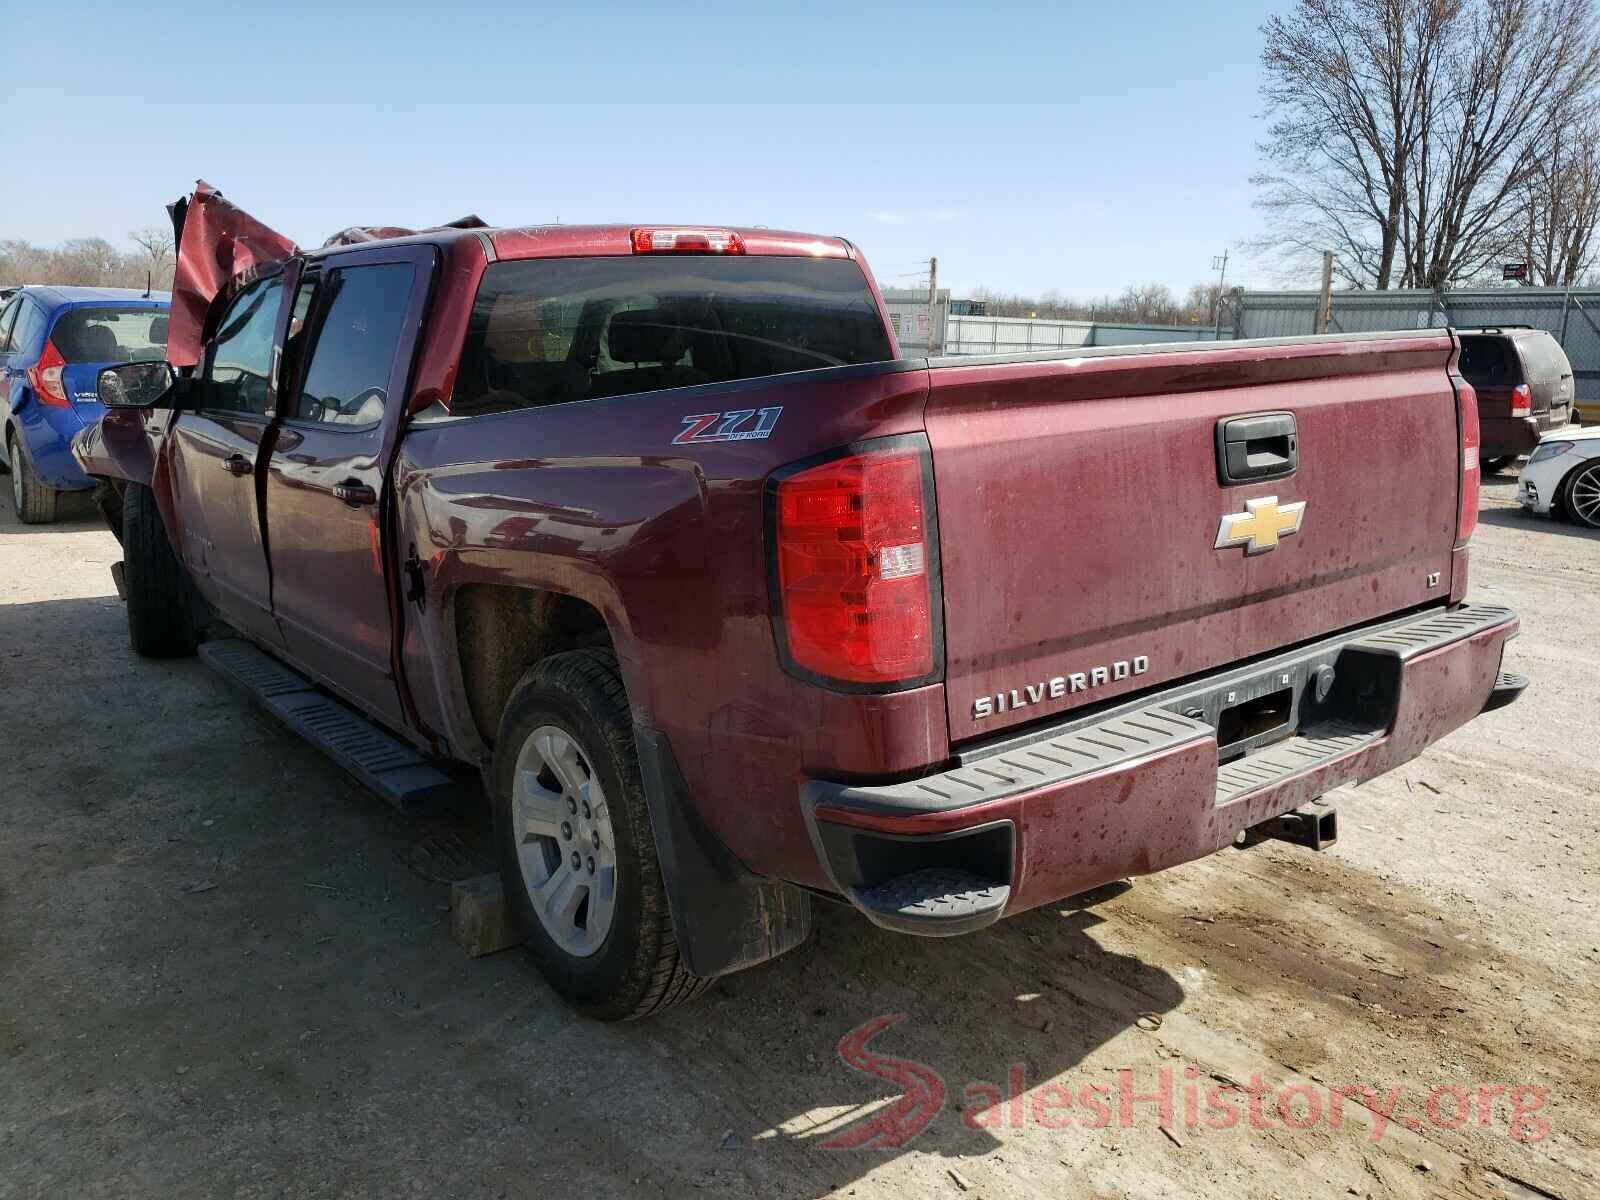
(226, 970)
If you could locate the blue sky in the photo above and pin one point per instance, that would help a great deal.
(1071, 146)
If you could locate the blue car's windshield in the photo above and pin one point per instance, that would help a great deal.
(111, 334)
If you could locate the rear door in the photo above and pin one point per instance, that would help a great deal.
(8, 318)
(22, 351)
(1091, 547)
(354, 330)
(215, 444)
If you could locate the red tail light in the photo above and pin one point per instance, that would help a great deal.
(45, 378)
(857, 567)
(1467, 416)
(687, 241)
(1522, 401)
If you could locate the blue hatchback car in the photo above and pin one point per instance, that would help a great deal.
(53, 342)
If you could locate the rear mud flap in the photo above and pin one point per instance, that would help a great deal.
(726, 918)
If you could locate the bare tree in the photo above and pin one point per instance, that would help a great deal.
(1142, 304)
(90, 262)
(1403, 131)
(157, 245)
(1200, 303)
(1557, 210)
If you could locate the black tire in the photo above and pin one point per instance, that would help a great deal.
(1493, 466)
(636, 969)
(35, 502)
(160, 616)
(1580, 492)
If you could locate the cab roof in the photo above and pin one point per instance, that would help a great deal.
(568, 241)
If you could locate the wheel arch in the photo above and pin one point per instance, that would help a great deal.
(503, 630)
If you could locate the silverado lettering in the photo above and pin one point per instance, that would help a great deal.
(701, 688)
(1059, 686)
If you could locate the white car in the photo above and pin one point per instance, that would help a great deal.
(1563, 475)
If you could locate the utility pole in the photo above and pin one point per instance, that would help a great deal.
(933, 306)
(1219, 264)
(1325, 302)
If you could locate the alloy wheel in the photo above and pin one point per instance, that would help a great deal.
(1583, 496)
(564, 840)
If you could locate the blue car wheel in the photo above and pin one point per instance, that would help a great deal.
(35, 501)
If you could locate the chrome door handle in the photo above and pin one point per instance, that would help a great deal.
(236, 464)
(354, 493)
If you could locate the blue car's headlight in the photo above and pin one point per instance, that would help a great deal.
(1546, 450)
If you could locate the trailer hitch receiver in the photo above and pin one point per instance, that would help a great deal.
(1314, 826)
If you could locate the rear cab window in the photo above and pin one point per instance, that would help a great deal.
(556, 330)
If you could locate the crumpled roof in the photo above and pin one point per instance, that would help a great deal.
(358, 234)
(218, 241)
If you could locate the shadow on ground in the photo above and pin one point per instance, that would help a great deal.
(228, 970)
(1515, 518)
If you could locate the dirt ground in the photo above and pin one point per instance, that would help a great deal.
(227, 970)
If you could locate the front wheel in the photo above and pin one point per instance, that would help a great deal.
(35, 501)
(160, 616)
(577, 856)
(1582, 495)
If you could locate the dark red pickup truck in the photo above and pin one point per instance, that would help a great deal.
(730, 606)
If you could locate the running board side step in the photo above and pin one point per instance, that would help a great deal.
(383, 763)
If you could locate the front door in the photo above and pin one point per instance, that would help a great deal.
(339, 407)
(215, 444)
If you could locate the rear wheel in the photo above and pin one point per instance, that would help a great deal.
(1581, 497)
(160, 617)
(577, 856)
(35, 502)
(1493, 466)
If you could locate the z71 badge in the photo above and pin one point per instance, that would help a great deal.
(728, 426)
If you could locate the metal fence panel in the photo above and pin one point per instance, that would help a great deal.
(1573, 317)
(1019, 335)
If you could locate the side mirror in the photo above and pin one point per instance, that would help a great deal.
(134, 384)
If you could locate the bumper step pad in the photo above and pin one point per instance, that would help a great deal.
(383, 763)
(1267, 767)
(1506, 689)
(935, 902)
(1429, 633)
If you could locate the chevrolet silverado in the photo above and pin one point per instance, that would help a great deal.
(651, 530)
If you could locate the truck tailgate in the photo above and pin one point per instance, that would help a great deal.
(1079, 506)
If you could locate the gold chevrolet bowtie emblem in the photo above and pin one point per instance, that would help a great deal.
(1259, 528)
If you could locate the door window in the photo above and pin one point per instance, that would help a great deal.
(6, 319)
(362, 312)
(30, 324)
(240, 362)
